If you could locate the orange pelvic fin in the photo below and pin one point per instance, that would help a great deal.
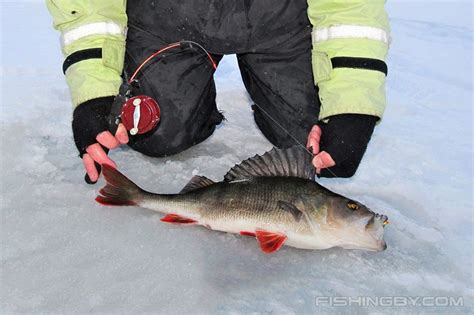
(270, 241)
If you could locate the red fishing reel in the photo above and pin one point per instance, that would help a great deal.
(140, 114)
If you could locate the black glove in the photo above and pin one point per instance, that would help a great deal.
(90, 119)
(345, 138)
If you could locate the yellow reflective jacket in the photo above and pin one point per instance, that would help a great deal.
(341, 28)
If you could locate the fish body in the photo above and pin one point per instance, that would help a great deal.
(276, 204)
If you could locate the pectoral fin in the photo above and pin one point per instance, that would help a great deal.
(291, 208)
(270, 241)
(298, 212)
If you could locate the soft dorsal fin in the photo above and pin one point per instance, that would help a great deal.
(291, 162)
(195, 183)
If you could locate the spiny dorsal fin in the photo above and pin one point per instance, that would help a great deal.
(291, 162)
(195, 183)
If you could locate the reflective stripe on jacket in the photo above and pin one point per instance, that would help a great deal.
(349, 28)
(88, 24)
(341, 28)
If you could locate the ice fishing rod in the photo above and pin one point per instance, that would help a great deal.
(140, 114)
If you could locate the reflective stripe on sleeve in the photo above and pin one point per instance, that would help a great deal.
(99, 28)
(350, 31)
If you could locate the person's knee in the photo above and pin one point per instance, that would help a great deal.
(171, 138)
(162, 144)
(282, 133)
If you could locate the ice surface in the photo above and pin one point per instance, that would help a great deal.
(63, 253)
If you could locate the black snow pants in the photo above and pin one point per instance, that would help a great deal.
(272, 40)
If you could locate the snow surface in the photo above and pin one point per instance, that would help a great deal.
(63, 253)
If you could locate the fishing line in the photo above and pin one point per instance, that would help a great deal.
(288, 133)
(168, 47)
(282, 128)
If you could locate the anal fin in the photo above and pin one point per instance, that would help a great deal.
(270, 241)
(177, 219)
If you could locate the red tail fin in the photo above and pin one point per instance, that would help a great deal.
(119, 191)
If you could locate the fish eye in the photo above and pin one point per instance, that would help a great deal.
(352, 205)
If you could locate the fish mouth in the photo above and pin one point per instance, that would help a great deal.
(375, 228)
(377, 219)
(383, 246)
